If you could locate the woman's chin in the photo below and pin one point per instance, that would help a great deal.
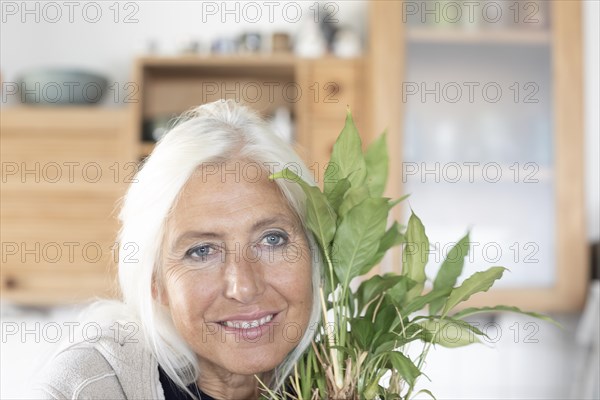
(249, 367)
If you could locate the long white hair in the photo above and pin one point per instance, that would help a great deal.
(213, 132)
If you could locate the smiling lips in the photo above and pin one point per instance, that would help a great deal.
(238, 323)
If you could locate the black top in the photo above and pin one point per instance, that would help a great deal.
(173, 392)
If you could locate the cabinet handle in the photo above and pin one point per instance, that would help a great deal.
(10, 283)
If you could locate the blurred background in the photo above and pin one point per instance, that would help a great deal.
(491, 111)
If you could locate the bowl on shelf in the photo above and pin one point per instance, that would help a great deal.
(61, 87)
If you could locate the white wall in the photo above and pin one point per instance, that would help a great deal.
(109, 47)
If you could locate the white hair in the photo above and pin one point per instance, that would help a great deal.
(213, 132)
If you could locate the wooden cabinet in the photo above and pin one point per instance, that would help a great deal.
(532, 134)
(315, 91)
(65, 169)
(63, 172)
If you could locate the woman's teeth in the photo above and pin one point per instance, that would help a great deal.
(247, 324)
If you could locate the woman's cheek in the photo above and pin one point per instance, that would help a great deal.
(296, 285)
(190, 290)
(289, 254)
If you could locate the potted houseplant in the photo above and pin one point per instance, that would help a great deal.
(363, 333)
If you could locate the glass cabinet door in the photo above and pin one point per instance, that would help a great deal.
(478, 144)
(484, 99)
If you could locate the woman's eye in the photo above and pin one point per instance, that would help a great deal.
(275, 239)
(200, 252)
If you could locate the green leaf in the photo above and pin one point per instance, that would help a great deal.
(420, 302)
(357, 238)
(391, 238)
(354, 196)
(376, 159)
(362, 332)
(372, 390)
(374, 287)
(387, 319)
(397, 294)
(404, 366)
(427, 392)
(478, 282)
(415, 254)
(450, 271)
(347, 160)
(321, 219)
(451, 333)
(382, 342)
(478, 310)
(400, 337)
(336, 196)
(397, 201)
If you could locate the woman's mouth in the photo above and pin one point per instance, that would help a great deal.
(248, 324)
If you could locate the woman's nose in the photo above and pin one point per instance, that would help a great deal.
(244, 278)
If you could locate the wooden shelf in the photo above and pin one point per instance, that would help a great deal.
(457, 36)
(235, 60)
(258, 60)
(316, 91)
(38, 117)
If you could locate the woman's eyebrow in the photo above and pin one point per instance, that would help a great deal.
(272, 220)
(194, 235)
(277, 219)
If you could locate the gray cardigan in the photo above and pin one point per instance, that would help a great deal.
(113, 367)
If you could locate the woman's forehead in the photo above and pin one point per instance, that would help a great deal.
(235, 171)
(229, 200)
(230, 179)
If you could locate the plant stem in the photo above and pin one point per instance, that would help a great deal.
(331, 342)
(376, 309)
(296, 385)
(423, 355)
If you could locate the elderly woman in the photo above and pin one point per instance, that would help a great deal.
(216, 271)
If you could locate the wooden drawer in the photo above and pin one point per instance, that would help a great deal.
(58, 230)
(48, 286)
(55, 257)
(333, 86)
(42, 149)
(72, 206)
(323, 139)
(59, 222)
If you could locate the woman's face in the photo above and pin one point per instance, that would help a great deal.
(237, 270)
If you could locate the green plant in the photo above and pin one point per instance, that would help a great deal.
(362, 333)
